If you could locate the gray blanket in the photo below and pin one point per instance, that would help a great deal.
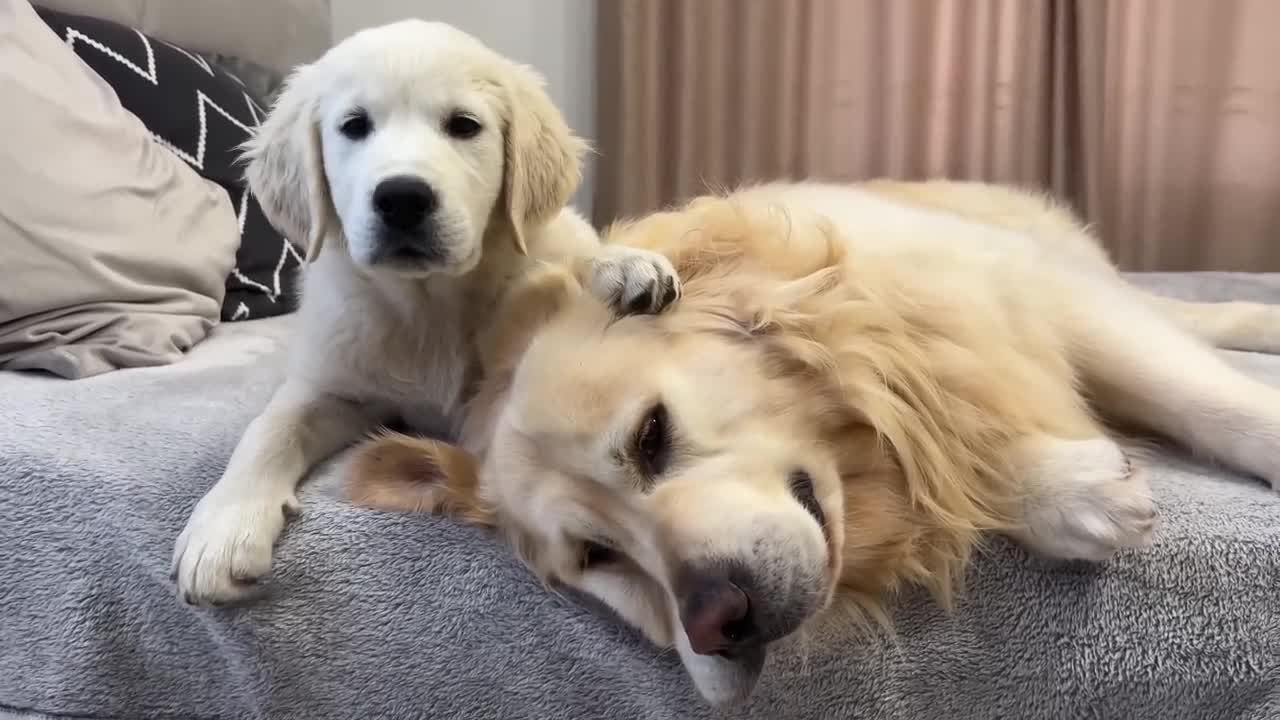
(374, 615)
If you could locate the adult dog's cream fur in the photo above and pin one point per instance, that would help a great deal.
(857, 383)
(425, 173)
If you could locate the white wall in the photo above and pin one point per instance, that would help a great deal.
(555, 36)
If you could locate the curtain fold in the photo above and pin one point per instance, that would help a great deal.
(1159, 120)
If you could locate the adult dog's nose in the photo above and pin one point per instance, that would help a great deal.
(403, 202)
(715, 612)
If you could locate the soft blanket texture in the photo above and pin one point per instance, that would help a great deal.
(377, 615)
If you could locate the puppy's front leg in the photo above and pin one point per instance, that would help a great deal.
(227, 544)
(632, 280)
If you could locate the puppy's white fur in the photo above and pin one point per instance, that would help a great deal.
(376, 342)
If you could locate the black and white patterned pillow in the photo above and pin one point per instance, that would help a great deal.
(201, 112)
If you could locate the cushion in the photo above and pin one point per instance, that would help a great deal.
(201, 112)
(115, 253)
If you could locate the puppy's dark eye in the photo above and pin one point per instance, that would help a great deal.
(357, 125)
(594, 554)
(653, 441)
(462, 126)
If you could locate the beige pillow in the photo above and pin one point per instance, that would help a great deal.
(113, 252)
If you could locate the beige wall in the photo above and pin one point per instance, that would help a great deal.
(555, 36)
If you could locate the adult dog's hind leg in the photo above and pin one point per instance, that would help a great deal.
(1250, 326)
(1141, 368)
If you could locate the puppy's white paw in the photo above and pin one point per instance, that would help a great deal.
(226, 547)
(1086, 501)
(633, 281)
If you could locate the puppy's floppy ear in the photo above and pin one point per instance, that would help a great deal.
(543, 157)
(410, 474)
(286, 164)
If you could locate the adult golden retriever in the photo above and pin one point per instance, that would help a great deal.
(857, 383)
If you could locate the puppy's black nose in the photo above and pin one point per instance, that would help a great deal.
(715, 612)
(403, 202)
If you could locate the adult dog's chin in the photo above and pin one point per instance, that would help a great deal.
(725, 679)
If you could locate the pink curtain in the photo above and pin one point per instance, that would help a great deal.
(1159, 120)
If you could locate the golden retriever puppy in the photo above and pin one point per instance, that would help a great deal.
(425, 172)
(856, 384)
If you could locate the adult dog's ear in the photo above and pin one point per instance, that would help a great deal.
(543, 164)
(524, 308)
(410, 474)
(286, 164)
(521, 314)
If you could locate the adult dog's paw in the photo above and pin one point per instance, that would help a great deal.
(226, 547)
(1089, 502)
(633, 281)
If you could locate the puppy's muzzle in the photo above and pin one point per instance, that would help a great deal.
(403, 203)
(405, 206)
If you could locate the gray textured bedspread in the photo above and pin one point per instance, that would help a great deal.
(373, 615)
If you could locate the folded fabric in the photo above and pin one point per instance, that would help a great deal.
(113, 252)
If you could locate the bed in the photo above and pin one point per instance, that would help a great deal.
(371, 614)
